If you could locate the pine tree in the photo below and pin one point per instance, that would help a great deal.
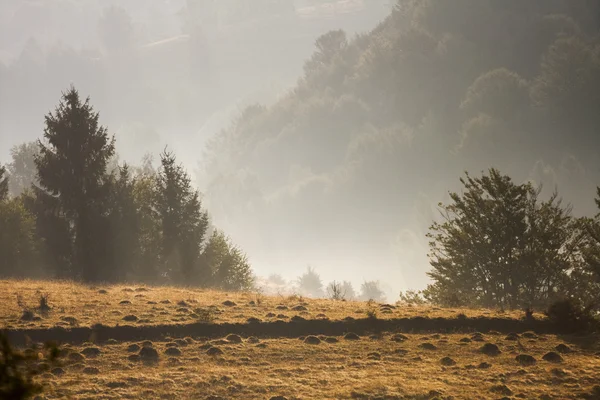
(184, 224)
(124, 226)
(72, 168)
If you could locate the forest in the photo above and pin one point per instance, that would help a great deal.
(382, 124)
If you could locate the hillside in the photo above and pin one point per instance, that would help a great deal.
(381, 125)
(75, 305)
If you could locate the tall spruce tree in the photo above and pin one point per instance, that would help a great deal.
(184, 224)
(72, 168)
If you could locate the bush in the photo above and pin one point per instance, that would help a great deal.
(17, 370)
(570, 314)
(371, 309)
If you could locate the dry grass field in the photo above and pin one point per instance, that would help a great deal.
(78, 305)
(370, 365)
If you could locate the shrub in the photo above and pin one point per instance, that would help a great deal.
(17, 370)
(43, 305)
(570, 314)
(412, 297)
(336, 291)
(371, 309)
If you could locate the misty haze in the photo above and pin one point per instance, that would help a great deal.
(232, 175)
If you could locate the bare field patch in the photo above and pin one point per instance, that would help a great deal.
(367, 368)
(73, 305)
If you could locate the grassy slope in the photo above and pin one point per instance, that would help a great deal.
(88, 306)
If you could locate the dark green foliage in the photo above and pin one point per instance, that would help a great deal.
(3, 183)
(183, 222)
(124, 219)
(18, 241)
(570, 314)
(590, 246)
(227, 266)
(72, 169)
(17, 370)
(498, 245)
(413, 297)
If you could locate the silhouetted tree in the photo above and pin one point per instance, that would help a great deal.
(148, 267)
(310, 283)
(184, 224)
(124, 226)
(348, 289)
(72, 173)
(371, 290)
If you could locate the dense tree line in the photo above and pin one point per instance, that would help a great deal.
(74, 212)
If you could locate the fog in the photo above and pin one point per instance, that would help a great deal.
(332, 155)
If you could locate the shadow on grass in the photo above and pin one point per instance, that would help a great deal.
(101, 333)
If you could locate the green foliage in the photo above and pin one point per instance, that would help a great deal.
(183, 222)
(17, 370)
(412, 297)
(124, 220)
(3, 183)
(571, 314)
(18, 241)
(498, 245)
(87, 217)
(227, 265)
(72, 167)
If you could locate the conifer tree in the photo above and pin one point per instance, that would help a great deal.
(184, 224)
(72, 168)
